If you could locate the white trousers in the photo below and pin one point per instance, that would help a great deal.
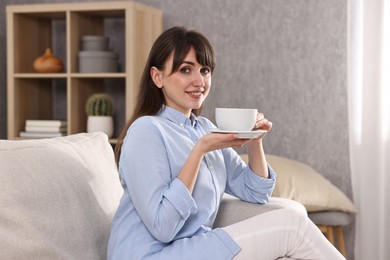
(281, 234)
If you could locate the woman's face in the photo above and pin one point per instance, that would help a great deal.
(186, 88)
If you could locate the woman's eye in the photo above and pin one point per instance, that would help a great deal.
(185, 70)
(205, 70)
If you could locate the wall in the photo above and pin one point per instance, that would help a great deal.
(286, 58)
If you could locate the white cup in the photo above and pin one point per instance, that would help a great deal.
(235, 119)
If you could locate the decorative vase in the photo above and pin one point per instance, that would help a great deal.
(103, 124)
(48, 63)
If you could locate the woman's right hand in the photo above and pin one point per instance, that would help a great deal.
(216, 141)
(208, 143)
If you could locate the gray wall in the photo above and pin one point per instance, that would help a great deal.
(286, 58)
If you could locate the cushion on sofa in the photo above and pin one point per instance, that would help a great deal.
(57, 197)
(233, 210)
(300, 182)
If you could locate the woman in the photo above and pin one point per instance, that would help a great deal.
(174, 172)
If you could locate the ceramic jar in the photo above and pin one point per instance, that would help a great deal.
(48, 63)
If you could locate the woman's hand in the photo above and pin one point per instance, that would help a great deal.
(207, 143)
(262, 123)
(257, 160)
(215, 141)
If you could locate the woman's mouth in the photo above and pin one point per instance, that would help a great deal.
(195, 94)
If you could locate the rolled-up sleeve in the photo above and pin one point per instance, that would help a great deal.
(260, 188)
(178, 195)
(243, 183)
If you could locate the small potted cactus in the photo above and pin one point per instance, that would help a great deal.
(100, 111)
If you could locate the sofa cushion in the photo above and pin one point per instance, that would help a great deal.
(300, 182)
(58, 197)
(233, 210)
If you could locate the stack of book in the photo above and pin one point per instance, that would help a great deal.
(44, 128)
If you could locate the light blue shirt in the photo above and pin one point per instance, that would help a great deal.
(158, 218)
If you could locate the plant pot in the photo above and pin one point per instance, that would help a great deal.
(103, 124)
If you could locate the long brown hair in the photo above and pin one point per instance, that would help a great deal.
(178, 40)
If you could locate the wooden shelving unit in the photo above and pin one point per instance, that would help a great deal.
(33, 28)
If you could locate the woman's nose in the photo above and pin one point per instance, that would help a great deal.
(199, 79)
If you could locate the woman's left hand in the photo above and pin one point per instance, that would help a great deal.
(262, 123)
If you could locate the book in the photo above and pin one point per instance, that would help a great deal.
(25, 134)
(45, 129)
(33, 122)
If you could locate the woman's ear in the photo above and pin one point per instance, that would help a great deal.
(156, 76)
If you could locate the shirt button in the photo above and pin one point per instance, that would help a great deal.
(181, 124)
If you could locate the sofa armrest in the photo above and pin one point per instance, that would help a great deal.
(58, 197)
(233, 210)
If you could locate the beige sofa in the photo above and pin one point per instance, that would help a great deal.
(58, 197)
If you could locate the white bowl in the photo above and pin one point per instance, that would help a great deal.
(235, 119)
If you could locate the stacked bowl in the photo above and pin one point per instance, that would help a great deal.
(95, 57)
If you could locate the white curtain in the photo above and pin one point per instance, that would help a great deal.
(369, 124)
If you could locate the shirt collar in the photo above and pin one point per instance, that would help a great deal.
(178, 117)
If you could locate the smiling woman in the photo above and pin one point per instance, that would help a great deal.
(174, 172)
(186, 90)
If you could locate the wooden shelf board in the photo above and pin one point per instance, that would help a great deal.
(39, 75)
(98, 75)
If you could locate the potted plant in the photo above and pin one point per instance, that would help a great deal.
(100, 111)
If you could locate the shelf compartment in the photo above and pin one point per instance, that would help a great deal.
(32, 34)
(35, 99)
(82, 88)
(109, 23)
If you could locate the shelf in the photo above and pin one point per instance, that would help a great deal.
(72, 75)
(98, 75)
(40, 75)
(131, 28)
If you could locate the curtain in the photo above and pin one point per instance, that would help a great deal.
(369, 124)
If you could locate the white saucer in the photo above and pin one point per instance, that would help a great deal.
(241, 134)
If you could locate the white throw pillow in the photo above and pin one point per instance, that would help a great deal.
(300, 182)
(57, 197)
